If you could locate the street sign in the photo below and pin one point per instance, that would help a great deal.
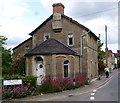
(12, 82)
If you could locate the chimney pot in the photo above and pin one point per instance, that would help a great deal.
(58, 8)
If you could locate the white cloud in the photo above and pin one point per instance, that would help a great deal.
(11, 23)
(12, 29)
(48, 3)
(45, 3)
(113, 47)
(13, 8)
(97, 25)
(14, 11)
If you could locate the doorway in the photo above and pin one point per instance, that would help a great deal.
(40, 70)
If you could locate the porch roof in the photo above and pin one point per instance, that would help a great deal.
(51, 46)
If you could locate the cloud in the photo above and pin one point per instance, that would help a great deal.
(113, 47)
(13, 8)
(47, 4)
(14, 11)
(98, 27)
(12, 26)
(90, 10)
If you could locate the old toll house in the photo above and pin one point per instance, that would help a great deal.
(59, 47)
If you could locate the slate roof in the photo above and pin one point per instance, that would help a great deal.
(51, 46)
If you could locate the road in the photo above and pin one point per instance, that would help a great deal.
(107, 92)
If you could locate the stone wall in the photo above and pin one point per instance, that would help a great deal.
(20, 50)
(54, 65)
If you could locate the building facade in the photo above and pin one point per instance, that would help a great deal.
(75, 49)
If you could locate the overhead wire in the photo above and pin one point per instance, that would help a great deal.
(98, 12)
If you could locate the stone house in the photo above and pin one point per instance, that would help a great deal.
(110, 58)
(117, 59)
(59, 47)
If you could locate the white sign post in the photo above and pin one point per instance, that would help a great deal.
(12, 82)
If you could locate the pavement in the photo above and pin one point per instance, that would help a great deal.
(68, 93)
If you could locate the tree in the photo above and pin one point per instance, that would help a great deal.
(18, 66)
(101, 53)
(6, 56)
(101, 56)
(118, 63)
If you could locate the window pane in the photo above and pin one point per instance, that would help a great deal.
(26, 49)
(70, 41)
(66, 62)
(70, 35)
(46, 37)
(66, 71)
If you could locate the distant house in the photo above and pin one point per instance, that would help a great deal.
(59, 47)
(117, 58)
(110, 58)
(117, 55)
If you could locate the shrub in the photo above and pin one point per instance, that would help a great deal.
(46, 87)
(27, 88)
(49, 85)
(37, 90)
(18, 66)
(56, 85)
(101, 66)
(16, 91)
(86, 82)
(118, 63)
(79, 79)
(25, 79)
(67, 83)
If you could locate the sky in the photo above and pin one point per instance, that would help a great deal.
(20, 17)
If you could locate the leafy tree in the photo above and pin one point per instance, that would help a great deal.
(3, 41)
(6, 56)
(118, 63)
(101, 53)
(101, 56)
(18, 67)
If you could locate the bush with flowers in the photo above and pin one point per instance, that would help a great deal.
(56, 85)
(49, 85)
(18, 91)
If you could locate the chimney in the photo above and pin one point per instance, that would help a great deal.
(58, 8)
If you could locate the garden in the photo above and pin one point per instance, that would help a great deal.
(49, 85)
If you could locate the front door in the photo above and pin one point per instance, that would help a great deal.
(40, 72)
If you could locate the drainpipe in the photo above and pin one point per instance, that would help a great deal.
(81, 50)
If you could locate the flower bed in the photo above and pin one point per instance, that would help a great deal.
(49, 85)
(18, 91)
(56, 85)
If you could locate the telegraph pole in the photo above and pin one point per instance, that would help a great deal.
(106, 48)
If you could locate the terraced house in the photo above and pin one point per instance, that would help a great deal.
(59, 47)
